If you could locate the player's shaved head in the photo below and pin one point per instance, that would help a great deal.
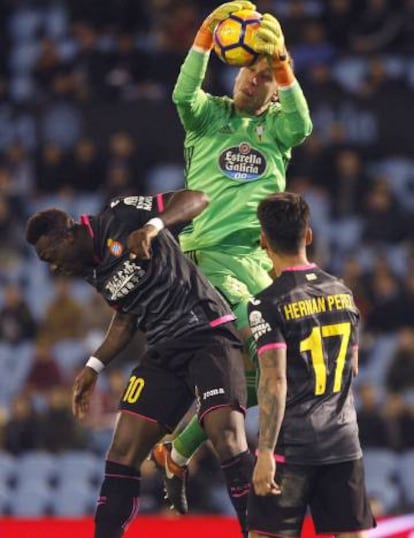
(284, 218)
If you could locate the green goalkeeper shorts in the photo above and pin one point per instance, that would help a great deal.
(237, 277)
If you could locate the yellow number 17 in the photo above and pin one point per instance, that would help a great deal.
(314, 345)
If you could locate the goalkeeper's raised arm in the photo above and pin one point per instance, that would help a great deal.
(188, 95)
(293, 123)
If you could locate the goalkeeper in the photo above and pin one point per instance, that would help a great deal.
(236, 151)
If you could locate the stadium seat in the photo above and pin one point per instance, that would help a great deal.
(15, 362)
(405, 473)
(166, 177)
(399, 173)
(55, 20)
(80, 467)
(70, 354)
(350, 72)
(74, 500)
(24, 57)
(31, 500)
(24, 24)
(36, 467)
(7, 468)
(380, 471)
(380, 358)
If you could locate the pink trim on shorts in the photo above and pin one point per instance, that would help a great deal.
(84, 219)
(275, 345)
(303, 267)
(160, 203)
(355, 347)
(207, 411)
(138, 415)
(222, 320)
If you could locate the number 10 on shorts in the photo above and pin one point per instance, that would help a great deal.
(134, 389)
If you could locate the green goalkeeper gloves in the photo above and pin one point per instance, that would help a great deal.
(270, 42)
(269, 39)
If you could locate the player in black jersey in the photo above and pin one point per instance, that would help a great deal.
(306, 326)
(192, 348)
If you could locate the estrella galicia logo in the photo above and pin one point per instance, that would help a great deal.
(242, 163)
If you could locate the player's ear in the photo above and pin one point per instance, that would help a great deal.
(309, 237)
(263, 241)
(70, 234)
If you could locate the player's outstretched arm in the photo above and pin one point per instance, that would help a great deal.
(293, 124)
(190, 99)
(120, 332)
(182, 206)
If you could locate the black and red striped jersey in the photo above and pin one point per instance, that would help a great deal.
(313, 315)
(168, 294)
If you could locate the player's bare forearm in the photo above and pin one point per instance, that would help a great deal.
(183, 206)
(272, 397)
(355, 360)
(120, 332)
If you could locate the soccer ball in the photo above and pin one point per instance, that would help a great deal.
(233, 38)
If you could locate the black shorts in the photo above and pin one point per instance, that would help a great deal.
(335, 494)
(208, 366)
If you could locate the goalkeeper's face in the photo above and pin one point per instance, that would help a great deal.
(254, 88)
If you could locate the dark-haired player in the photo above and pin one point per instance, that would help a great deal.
(306, 328)
(192, 348)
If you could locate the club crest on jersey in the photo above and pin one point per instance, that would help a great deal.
(115, 247)
(258, 324)
(242, 163)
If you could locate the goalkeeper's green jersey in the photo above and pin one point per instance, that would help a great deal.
(236, 159)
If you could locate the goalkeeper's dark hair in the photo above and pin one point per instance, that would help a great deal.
(50, 222)
(284, 218)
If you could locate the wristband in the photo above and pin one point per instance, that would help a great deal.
(96, 365)
(156, 222)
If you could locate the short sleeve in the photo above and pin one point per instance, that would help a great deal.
(266, 325)
(137, 209)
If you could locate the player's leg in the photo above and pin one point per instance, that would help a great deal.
(339, 502)
(237, 279)
(118, 500)
(217, 371)
(225, 429)
(144, 419)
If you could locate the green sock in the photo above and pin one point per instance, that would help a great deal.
(251, 350)
(251, 388)
(252, 376)
(190, 438)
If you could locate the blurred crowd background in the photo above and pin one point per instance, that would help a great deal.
(86, 114)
